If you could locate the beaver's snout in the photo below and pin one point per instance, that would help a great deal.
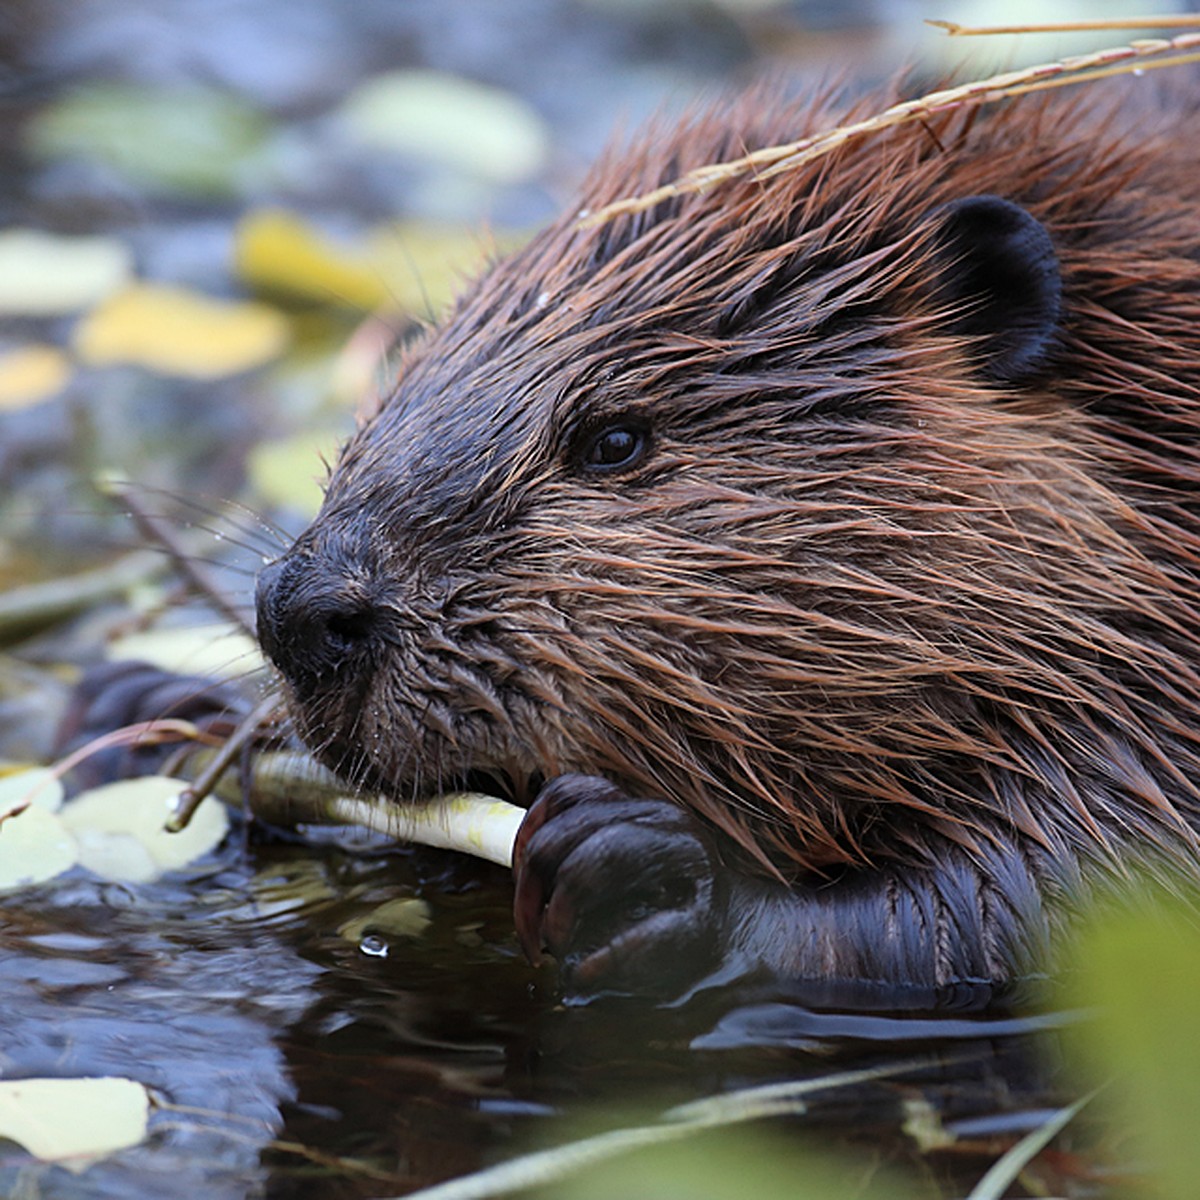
(314, 620)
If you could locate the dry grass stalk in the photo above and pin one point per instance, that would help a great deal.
(1174, 21)
(1141, 55)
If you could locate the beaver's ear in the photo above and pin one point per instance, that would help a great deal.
(998, 269)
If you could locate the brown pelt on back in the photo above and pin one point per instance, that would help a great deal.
(861, 597)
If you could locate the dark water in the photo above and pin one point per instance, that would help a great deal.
(299, 1051)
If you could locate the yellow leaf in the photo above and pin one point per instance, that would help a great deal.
(73, 1122)
(21, 785)
(405, 917)
(45, 274)
(425, 264)
(178, 332)
(278, 251)
(31, 374)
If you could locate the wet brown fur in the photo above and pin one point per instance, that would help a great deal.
(859, 601)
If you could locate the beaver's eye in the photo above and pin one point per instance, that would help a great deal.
(615, 447)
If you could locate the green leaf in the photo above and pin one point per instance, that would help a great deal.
(1136, 969)
(290, 471)
(195, 140)
(450, 120)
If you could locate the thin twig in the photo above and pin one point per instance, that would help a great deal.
(193, 796)
(773, 160)
(158, 531)
(1174, 21)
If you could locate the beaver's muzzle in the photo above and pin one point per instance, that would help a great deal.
(315, 622)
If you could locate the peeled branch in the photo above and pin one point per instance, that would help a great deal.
(291, 789)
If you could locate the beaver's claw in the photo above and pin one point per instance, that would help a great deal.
(621, 891)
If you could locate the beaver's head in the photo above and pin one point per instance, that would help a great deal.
(781, 500)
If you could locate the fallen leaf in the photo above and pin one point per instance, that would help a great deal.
(34, 846)
(427, 263)
(74, 1122)
(121, 828)
(454, 121)
(23, 785)
(46, 274)
(408, 266)
(278, 251)
(178, 332)
(406, 917)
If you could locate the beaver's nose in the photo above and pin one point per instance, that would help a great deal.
(313, 621)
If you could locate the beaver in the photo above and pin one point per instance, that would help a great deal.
(821, 549)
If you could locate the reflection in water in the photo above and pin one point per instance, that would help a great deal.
(98, 981)
(295, 1059)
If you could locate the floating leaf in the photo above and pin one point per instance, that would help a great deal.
(46, 274)
(289, 471)
(121, 828)
(216, 650)
(74, 1122)
(450, 120)
(31, 374)
(406, 917)
(178, 332)
(196, 140)
(34, 847)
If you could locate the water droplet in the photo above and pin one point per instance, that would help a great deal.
(372, 945)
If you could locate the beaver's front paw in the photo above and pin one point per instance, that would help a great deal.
(622, 892)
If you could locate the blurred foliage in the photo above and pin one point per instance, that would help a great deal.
(478, 129)
(1135, 968)
(178, 332)
(32, 373)
(193, 139)
(732, 1164)
(44, 274)
(399, 267)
